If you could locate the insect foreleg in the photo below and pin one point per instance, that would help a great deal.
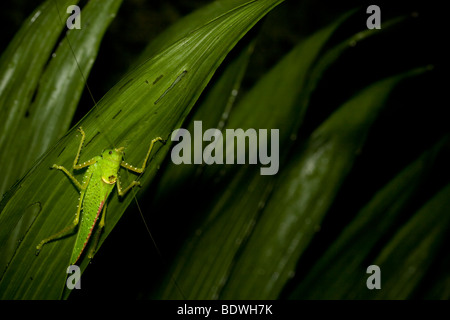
(84, 164)
(70, 176)
(144, 164)
(123, 192)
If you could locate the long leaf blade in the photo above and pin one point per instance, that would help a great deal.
(141, 106)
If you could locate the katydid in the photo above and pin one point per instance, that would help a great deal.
(97, 185)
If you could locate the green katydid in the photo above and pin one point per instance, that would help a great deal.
(98, 183)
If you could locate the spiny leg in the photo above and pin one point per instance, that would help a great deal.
(75, 165)
(75, 162)
(71, 177)
(97, 234)
(144, 164)
(67, 229)
(123, 192)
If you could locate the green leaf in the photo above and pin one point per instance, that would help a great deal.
(213, 111)
(408, 256)
(340, 272)
(40, 92)
(204, 263)
(150, 101)
(187, 24)
(306, 189)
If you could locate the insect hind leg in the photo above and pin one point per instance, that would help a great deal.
(66, 230)
(97, 234)
(57, 235)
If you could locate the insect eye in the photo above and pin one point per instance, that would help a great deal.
(110, 152)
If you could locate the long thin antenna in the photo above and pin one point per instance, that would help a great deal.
(134, 194)
(154, 243)
(79, 67)
(75, 57)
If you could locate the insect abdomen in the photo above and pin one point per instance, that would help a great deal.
(87, 225)
(94, 199)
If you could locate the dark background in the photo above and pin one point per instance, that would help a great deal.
(397, 138)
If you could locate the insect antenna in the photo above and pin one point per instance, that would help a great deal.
(80, 70)
(156, 246)
(110, 142)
